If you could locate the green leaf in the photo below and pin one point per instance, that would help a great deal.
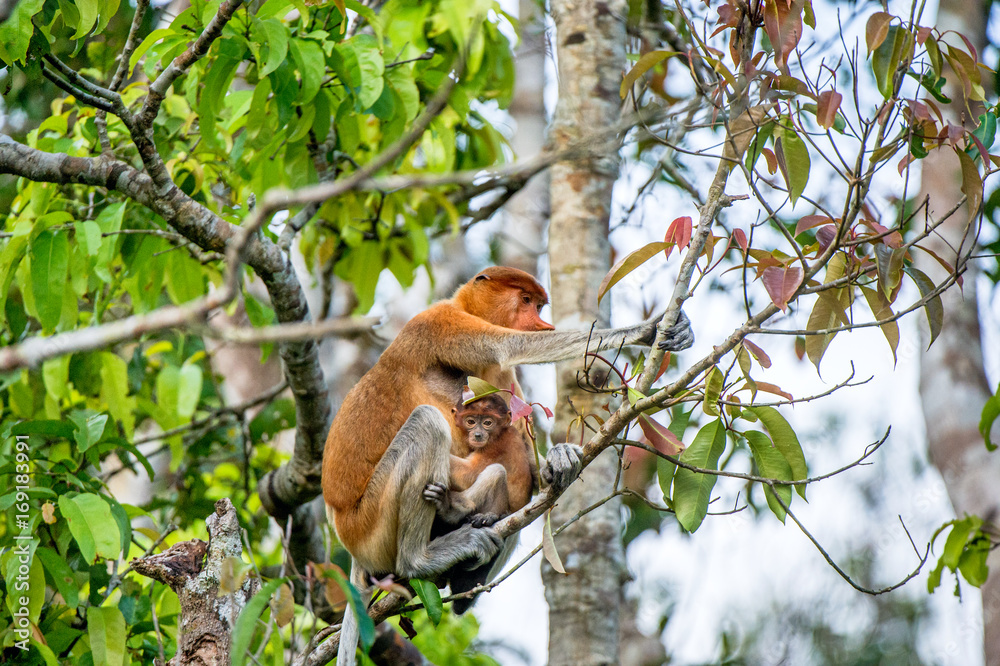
(311, 63)
(795, 156)
(958, 538)
(16, 31)
(49, 265)
(189, 383)
(643, 65)
(889, 267)
(431, 598)
(628, 264)
(991, 410)
(89, 428)
(61, 575)
(273, 34)
(366, 628)
(31, 591)
(185, 277)
(933, 308)
(881, 309)
(786, 442)
(889, 56)
(246, 623)
(89, 520)
(88, 17)
(106, 629)
(773, 465)
(693, 490)
(115, 390)
(713, 391)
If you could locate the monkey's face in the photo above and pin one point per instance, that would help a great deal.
(481, 424)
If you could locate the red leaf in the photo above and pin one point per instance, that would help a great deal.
(548, 412)
(826, 108)
(810, 221)
(783, 23)
(678, 233)
(826, 235)
(922, 35)
(781, 284)
(519, 409)
(758, 353)
(741, 239)
(662, 439)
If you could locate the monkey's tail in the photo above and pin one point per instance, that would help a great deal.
(349, 631)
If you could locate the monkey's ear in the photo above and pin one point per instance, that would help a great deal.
(454, 410)
(482, 276)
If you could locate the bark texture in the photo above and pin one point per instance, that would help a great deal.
(193, 570)
(585, 605)
(953, 386)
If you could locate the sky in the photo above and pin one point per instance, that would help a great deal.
(735, 569)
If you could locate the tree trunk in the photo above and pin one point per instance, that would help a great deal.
(193, 570)
(953, 386)
(585, 605)
(525, 214)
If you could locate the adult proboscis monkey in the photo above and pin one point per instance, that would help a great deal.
(393, 434)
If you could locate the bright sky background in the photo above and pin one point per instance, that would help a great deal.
(735, 569)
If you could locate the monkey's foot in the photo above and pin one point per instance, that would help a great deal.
(483, 519)
(436, 494)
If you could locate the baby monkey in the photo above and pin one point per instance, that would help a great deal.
(497, 478)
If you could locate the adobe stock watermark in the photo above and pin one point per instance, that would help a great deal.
(18, 584)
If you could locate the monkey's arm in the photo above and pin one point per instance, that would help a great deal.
(462, 340)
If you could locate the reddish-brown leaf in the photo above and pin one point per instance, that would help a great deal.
(662, 439)
(783, 24)
(758, 353)
(877, 30)
(781, 284)
(773, 390)
(922, 35)
(972, 183)
(741, 239)
(810, 221)
(827, 107)
(772, 161)
(800, 347)
(826, 235)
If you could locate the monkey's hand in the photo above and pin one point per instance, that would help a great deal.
(679, 336)
(562, 465)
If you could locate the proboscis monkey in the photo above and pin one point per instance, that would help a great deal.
(497, 477)
(391, 436)
(495, 480)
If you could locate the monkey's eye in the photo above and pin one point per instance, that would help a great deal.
(470, 423)
(539, 307)
(488, 423)
(526, 299)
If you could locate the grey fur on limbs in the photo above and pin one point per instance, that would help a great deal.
(421, 454)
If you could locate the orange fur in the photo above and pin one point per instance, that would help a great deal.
(505, 446)
(427, 363)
